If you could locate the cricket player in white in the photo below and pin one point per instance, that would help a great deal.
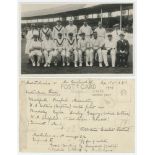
(60, 48)
(116, 32)
(58, 29)
(96, 47)
(45, 31)
(71, 28)
(48, 50)
(103, 56)
(29, 37)
(71, 48)
(35, 49)
(86, 29)
(101, 32)
(110, 46)
(89, 52)
(82, 47)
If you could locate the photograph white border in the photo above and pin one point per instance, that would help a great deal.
(93, 75)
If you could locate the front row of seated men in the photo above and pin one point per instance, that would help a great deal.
(94, 49)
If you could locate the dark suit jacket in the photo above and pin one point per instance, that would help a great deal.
(123, 46)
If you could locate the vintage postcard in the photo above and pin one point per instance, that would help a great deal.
(77, 38)
(69, 114)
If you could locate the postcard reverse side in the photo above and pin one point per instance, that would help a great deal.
(76, 115)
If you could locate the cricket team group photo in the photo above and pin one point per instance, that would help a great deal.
(83, 46)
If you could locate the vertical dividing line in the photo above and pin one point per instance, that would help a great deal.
(120, 16)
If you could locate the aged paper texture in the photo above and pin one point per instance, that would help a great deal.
(80, 115)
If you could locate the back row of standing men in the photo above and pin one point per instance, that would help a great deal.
(68, 40)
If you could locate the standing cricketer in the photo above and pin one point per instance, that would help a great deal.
(58, 29)
(86, 29)
(29, 37)
(116, 32)
(44, 32)
(71, 28)
(101, 32)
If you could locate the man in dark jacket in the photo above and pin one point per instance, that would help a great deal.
(122, 51)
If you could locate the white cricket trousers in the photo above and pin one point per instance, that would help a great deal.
(89, 55)
(113, 57)
(80, 55)
(37, 53)
(48, 56)
(59, 52)
(76, 56)
(68, 53)
(102, 56)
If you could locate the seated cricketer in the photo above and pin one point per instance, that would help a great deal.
(98, 47)
(48, 50)
(122, 51)
(94, 48)
(110, 46)
(60, 48)
(35, 49)
(71, 48)
(82, 46)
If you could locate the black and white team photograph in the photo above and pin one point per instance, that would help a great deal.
(77, 38)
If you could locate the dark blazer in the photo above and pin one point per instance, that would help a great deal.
(123, 46)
